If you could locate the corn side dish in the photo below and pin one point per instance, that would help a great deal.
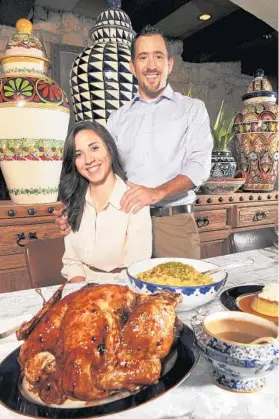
(176, 274)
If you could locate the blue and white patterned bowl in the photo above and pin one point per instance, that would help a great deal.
(237, 367)
(192, 296)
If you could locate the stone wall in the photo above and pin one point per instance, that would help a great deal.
(211, 82)
(54, 27)
(61, 27)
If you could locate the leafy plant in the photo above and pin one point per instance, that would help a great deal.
(222, 130)
(189, 93)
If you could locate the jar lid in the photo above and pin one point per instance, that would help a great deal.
(260, 88)
(24, 43)
(113, 23)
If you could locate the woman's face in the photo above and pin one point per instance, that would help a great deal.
(93, 160)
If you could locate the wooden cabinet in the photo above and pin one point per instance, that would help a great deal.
(217, 216)
(18, 224)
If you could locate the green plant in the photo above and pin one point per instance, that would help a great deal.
(222, 130)
(189, 93)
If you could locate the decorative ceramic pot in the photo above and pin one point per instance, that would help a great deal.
(223, 164)
(256, 129)
(34, 117)
(237, 366)
(101, 80)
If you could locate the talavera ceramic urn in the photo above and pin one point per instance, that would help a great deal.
(256, 129)
(34, 118)
(101, 80)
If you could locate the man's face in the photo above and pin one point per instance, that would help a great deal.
(151, 65)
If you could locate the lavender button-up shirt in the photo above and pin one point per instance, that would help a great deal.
(163, 138)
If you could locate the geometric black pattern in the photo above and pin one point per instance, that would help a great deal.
(100, 77)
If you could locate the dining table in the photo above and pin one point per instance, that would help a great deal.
(197, 397)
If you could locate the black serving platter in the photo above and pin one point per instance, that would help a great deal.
(229, 297)
(11, 397)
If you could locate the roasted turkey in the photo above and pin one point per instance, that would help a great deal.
(95, 341)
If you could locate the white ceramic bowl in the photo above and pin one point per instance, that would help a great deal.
(192, 296)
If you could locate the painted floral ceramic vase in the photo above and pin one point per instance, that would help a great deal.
(34, 118)
(256, 129)
(101, 80)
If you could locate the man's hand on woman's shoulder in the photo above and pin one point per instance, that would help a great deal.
(139, 196)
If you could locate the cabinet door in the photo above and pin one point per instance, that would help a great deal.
(14, 280)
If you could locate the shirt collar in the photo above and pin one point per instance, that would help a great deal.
(119, 189)
(168, 93)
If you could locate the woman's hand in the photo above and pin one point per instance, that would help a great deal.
(77, 279)
(62, 222)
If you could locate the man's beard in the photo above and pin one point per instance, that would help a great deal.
(152, 90)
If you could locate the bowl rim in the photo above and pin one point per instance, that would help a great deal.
(224, 181)
(175, 286)
(240, 315)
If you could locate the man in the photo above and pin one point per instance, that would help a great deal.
(165, 144)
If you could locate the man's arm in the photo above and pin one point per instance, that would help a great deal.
(197, 159)
(195, 168)
(138, 196)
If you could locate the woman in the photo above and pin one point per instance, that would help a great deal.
(103, 238)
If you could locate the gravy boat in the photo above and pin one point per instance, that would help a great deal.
(237, 366)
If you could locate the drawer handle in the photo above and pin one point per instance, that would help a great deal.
(202, 221)
(260, 216)
(20, 236)
(50, 210)
(32, 211)
(11, 213)
(33, 236)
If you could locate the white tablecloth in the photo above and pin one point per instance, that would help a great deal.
(197, 397)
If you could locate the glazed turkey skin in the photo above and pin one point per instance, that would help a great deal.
(97, 340)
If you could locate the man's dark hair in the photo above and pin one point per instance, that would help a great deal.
(73, 186)
(149, 31)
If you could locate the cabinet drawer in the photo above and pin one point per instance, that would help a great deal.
(11, 211)
(211, 220)
(13, 238)
(14, 261)
(250, 216)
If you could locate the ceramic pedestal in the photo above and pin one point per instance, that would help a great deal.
(34, 117)
(256, 129)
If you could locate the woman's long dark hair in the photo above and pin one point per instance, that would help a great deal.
(73, 186)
